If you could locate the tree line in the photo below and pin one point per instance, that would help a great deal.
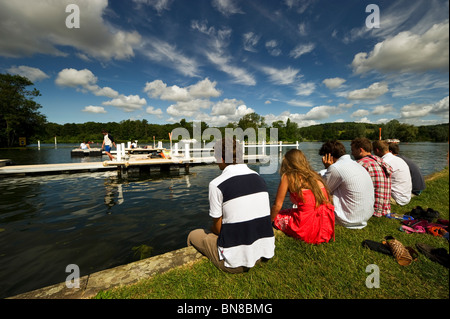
(288, 131)
(20, 117)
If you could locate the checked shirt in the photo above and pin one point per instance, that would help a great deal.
(380, 172)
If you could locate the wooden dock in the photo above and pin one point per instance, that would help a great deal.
(46, 169)
(132, 164)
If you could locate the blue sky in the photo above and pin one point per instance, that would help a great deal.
(313, 61)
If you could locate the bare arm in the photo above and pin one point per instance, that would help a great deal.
(281, 195)
(217, 225)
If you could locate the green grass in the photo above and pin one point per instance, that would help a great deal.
(336, 270)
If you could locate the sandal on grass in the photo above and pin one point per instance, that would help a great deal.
(439, 255)
(400, 252)
(376, 246)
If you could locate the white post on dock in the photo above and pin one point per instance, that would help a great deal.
(128, 144)
(39, 145)
(296, 144)
(123, 149)
(119, 152)
(264, 147)
(175, 150)
(281, 146)
(187, 152)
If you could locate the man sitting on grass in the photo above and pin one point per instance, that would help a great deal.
(379, 171)
(350, 184)
(242, 232)
(401, 187)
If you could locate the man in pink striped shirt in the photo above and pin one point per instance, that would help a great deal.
(379, 171)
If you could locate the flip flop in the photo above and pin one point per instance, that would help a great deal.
(414, 229)
(439, 255)
(399, 217)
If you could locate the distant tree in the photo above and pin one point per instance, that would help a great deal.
(19, 115)
(252, 120)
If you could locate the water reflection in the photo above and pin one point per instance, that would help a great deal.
(113, 193)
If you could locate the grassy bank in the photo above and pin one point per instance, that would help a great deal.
(335, 270)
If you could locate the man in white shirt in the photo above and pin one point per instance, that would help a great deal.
(350, 184)
(401, 177)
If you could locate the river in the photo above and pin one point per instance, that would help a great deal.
(100, 220)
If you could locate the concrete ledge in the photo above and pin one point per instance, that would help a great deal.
(128, 274)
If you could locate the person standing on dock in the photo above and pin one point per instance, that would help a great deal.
(108, 142)
(242, 232)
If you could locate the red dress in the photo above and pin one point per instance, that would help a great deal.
(306, 222)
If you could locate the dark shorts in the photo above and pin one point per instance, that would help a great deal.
(107, 148)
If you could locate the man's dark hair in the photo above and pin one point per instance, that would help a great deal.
(362, 142)
(333, 147)
(393, 148)
(229, 150)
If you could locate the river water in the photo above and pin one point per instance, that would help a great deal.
(99, 220)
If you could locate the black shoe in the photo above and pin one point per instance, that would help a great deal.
(373, 245)
(439, 255)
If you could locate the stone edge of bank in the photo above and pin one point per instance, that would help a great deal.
(90, 285)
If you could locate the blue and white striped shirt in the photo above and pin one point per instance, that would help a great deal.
(239, 195)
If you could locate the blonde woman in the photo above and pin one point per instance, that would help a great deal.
(312, 219)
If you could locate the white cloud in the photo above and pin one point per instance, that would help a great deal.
(188, 108)
(94, 109)
(419, 111)
(382, 109)
(33, 74)
(360, 113)
(127, 103)
(272, 48)
(282, 77)
(223, 119)
(151, 110)
(29, 27)
(216, 52)
(158, 5)
(226, 107)
(322, 112)
(306, 89)
(202, 89)
(226, 7)
(167, 54)
(250, 41)
(300, 103)
(333, 83)
(408, 52)
(302, 49)
(83, 80)
(374, 91)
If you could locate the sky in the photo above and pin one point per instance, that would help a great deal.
(312, 61)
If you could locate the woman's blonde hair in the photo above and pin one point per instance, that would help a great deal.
(300, 176)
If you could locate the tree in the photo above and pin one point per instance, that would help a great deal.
(252, 120)
(19, 115)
